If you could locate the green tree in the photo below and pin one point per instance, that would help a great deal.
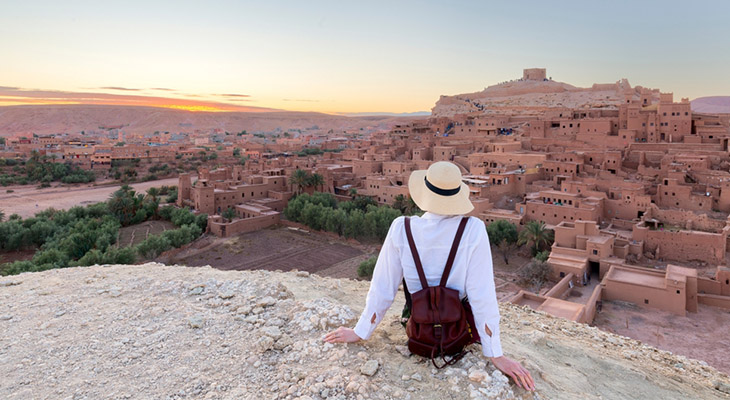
(152, 193)
(2, 215)
(300, 178)
(124, 204)
(536, 235)
(228, 214)
(503, 234)
(316, 180)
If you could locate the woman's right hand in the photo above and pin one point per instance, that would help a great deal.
(514, 370)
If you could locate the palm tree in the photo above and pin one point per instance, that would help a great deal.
(153, 192)
(353, 192)
(536, 234)
(316, 180)
(300, 178)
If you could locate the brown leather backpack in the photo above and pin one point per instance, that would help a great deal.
(438, 324)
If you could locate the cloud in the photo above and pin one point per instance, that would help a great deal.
(17, 96)
(232, 95)
(9, 88)
(119, 88)
(163, 89)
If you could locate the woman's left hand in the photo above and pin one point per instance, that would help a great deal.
(342, 335)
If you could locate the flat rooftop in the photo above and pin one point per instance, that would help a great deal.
(561, 308)
(637, 278)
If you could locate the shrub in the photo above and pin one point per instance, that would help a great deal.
(365, 270)
(153, 246)
(535, 273)
(542, 255)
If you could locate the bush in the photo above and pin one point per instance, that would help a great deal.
(542, 255)
(535, 273)
(365, 270)
(153, 246)
(361, 218)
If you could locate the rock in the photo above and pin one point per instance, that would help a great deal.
(352, 387)
(265, 343)
(196, 321)
(478, 376)
(417, 377)
(369, 368)
(722, 386)
(271, 331)
(196, 290)
(9, 283)
(303, 274)
(266, 302)
(60, 313)
(283, 342)
(226, 295)
(6, 317)
(403, 350)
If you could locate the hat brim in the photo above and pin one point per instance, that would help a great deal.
(427, 200)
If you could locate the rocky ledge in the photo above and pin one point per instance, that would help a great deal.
(172, 332)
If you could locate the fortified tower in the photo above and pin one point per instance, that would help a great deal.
(184, 186)
(534, 74)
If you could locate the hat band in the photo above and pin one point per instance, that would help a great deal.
(438, 190)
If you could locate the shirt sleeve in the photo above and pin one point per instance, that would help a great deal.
(387, 276)
(481, 292)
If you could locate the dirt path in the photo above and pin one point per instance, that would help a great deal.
(701, 335)
(28, 200)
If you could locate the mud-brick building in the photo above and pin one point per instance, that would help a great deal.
(666, 239)
(553, 207)
(673, 290)
(583, 250)
(257, 200)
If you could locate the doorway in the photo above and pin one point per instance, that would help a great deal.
(594, 270)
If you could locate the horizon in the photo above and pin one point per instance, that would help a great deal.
(345, 59)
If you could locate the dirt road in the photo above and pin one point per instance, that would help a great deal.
(28, 200)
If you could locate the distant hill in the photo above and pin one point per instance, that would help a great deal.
(535, 96)
(712, 105)
(47, 119)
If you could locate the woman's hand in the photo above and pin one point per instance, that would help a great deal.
(517, 372)
(342, 335)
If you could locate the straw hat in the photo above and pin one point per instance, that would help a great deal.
(439, 189)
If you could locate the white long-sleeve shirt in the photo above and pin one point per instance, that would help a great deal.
(471, 273)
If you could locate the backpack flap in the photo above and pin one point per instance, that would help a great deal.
(436, 305)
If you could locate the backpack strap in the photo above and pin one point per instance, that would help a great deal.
(414, 252)
(452, 253)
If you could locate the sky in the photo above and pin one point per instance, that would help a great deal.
(348, 57)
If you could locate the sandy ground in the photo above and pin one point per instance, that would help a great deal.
(285, 249)
(28, 200)
(275, 248)
(701, 335)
